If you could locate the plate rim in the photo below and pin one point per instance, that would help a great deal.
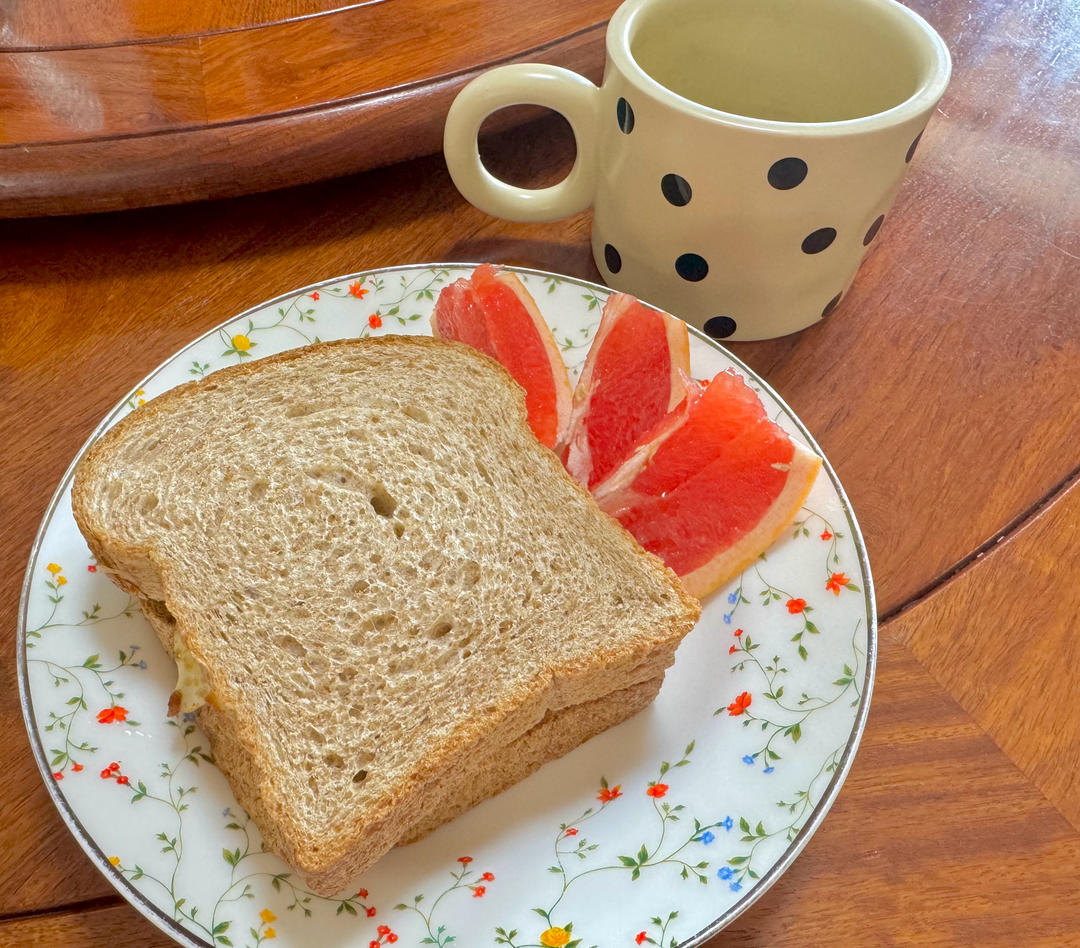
(153, 913)
(821, 809)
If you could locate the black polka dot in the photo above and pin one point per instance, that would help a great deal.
(692, 267)
(720, 327)
(625, 115)
(676, 189)
(831, 305)
(818, 240)
(911, 151)
(787, 173)
(612, 258)
(871, 232)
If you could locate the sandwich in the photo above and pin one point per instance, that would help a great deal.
(386, 599)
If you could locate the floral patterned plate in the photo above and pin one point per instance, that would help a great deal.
(658, 832)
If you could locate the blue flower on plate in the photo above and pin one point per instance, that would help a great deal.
(727, 618)
(188, 717)
(707, 837)
(747, 759)
(728, 823)
(735, 886)
(733, 597)
(725, 873)
(769, 769)
(142, 663)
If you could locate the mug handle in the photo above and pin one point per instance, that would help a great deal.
(556, 88)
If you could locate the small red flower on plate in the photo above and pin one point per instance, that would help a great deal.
(383, 929)
(488, 877)
(113, 771)
(92, 568)
(607, 794)
(740, 704)
(732, 650)
(826, 535)
(640, 937)
(478, 892)
(58, 775)
(371, 912)
(837, 582)
(571, 831)
(795, 606)
(315, 296)
(362, 894)
(464, 860)
(76, 767)
(374, 320)
(657, 790)
(356, 289)
(116, 714)
(738, 632)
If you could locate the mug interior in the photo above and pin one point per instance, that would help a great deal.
(804, 61)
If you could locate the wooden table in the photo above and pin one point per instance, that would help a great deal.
(131, 103)
(945, 389)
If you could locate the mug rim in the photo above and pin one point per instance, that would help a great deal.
(923, 99)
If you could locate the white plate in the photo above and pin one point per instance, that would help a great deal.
(582, 850)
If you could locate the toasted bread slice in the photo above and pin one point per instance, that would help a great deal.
(379, 579)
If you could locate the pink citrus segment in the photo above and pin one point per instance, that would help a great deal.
(714, 488)
(458, 315)
(634, 375)
(721, 568)
(493, 312)
(527, 348)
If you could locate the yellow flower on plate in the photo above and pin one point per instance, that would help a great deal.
(555, 937)
(60, 580)
(241, 343)
(53, 568)
(115, 860)
(267, 916)
(269, 933)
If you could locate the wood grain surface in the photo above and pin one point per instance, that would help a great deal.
(192, 109)
(80, 23)
(945, 389)
(1027, 667)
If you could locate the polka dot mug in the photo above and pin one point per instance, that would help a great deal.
(740, 156)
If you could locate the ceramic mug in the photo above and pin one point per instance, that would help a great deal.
(740, 156)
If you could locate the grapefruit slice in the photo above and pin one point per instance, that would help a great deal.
(493, 312)
(714, 487)
(634, 375)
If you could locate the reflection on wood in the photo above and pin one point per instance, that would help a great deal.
(186, 117)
